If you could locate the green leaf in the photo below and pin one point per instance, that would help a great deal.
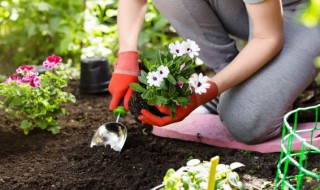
(49, 119)
(182, 79)
(143, 80)
(143, 73)
(151, 102)
(15, 102)
(160, 58)
(162, 22)
(72, 98)
(171, 79)
(147, 64)
(144, 37)
(172, 90)
(161, 100)
(136, 87)
(165, 93)
(43, 124)
(146, 94)
(25, 126)
(54, 129)
(182, 99)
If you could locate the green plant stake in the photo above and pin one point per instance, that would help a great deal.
(299, 159)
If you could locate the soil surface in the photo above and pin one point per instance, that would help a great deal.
(42, 160)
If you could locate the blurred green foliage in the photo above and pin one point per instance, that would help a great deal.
(101, 29)
(30, 30)
(155, 33)
(311, 16)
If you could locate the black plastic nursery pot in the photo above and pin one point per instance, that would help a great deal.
(95, 75)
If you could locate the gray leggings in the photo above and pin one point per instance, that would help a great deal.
(253, 110)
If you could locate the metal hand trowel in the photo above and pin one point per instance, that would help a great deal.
(112, 133)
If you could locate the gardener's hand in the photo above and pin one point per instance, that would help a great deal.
(126, 71)
(181, 113)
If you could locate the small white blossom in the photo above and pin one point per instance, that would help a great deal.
(177, 48)
(203, 185)
(163, 71)
(192, 48)
(199, 83)
(154, 79)
(193, 162)
(222, 168)
(236, 165)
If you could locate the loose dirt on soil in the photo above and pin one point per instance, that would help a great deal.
(43, 161)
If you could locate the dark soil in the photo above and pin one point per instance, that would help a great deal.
(41, 160)
(137, 103)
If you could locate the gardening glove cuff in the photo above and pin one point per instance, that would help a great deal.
(126, 71)
(127, 63)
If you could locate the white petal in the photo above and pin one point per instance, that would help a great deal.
(193, 162)
(236, 165)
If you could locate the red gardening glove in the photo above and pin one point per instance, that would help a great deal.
(181, 113)
(126, 71)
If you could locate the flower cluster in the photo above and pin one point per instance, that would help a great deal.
(171, 79)
(185, 47)
(52, 62)
(195, 175)
(155, 78)
(26, 74)
(34, 99)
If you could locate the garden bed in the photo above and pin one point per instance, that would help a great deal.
(41, 160)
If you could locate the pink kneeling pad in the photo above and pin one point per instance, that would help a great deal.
(208, 129)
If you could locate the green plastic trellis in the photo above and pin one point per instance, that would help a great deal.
(299, 159)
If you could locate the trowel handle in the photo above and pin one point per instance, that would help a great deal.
(120, 110)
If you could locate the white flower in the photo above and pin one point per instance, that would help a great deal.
(222, 168)
(199, 83)
(193, 162)
(236, 165)
(192, 48)
(154, 79)
(163, 71)
(226, 187)
(177, 48)
(203, 185)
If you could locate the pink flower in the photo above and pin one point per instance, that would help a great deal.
(35, 82)
(29, 77)
(15, 78)
(24, 68)
(52, 62)
(180, 84)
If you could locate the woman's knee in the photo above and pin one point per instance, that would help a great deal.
(251, 126)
